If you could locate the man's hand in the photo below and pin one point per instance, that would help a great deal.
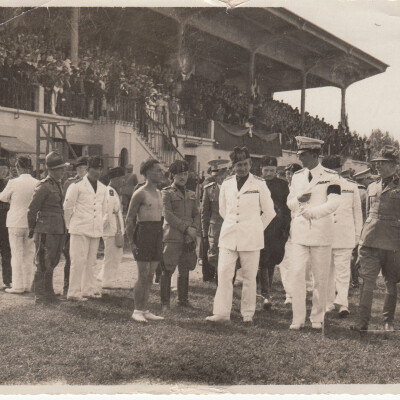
(306, 214)
(192, 232)
(304, 197)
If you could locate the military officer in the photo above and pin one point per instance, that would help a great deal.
(85, 211)
(211, 221)
(314, 196)
(81, 170)
(46, 225)
(5, 250)
(347, 228)
(113, 225)
(246, 206)
(379, 246)
(277, 232)
(181, 222)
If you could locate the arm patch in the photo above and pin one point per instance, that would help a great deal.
(334, 189)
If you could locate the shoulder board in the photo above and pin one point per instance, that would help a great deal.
(329, 171)
(44, 180)
(166, 188)
(210, 185)
(300, 170)
(77, 180)
(350, 180)
(229, 177)
(361, 186)
(258, 178)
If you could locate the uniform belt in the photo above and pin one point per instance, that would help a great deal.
(383, 217)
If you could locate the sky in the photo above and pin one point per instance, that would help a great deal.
(371, 25)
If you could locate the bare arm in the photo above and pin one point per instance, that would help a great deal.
(131, 217)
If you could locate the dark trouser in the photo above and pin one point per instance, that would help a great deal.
(354, 282)
(266, 277)
(5, 253)
(207, 269)
(183, 284)
(372, 260)
(67, 266)
(48, 252)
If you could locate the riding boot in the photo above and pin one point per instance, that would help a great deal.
(183, 288)
(165, 287)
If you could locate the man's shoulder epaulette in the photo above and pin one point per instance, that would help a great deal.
(300, 170)
(167, 188)
(211, 184)
(259, 178)
(330, 171)
(350, 180)
(228, 177)
(77, 180)
(360, 186)
(44, 180)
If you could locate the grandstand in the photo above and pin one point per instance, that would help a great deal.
(183, 83)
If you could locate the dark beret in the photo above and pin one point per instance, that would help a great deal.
(332, 162)
(24, 162)
(239, 154)
(268, 161)
(116, 172)
(178, 166)
(81, 161)
(95, 162)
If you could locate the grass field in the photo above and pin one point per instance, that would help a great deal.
(97, 343)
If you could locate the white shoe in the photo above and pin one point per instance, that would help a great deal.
(14, 291)
(138, 316)
(80, 299)
(247, 320)
(343, 312)
(267, 304)
(316, 325)
(288, 300)
(330, 308)
(151, 317)
(217, 318)
(296, 327)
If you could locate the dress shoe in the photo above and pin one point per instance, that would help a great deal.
(343, 312)
(296, 327)
(7, 285)
(80, 299)
(362, 330)
(316, 325)
(288, 300)
(14, 291)
(138, 316)
(248, 320)
(267, 304)
(330, 308)
(217, 318)
(151, 317)
(389, 327)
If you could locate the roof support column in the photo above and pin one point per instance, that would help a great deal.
(252, 63)
(343, 118)
(303, 96)
(74, 35)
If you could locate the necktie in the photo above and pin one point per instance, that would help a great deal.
(309, 177)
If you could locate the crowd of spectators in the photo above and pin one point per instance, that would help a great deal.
(104, 79)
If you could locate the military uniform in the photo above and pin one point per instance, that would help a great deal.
(5, 250)
(46, 220)
(380, 248)
(180, 211)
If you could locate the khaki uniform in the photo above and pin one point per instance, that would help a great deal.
(46, 220)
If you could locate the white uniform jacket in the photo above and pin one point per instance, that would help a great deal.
(18, 192)
(319, 230)
(113, 212)
(347, 219)
(246, 213)
(84, 210)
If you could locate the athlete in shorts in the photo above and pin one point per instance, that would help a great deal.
(144, 231)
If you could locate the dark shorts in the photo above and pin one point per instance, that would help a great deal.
(148, 241)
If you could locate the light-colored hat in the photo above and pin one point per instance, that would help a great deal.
(305, 143)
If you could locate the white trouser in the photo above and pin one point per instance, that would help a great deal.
(83, 253)
(174, 279)
(319, 257)
(112, 259)
(226, 270)
(22, 258)
(339, 277)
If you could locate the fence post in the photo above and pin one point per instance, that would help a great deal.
(211, 129)
(39, 99)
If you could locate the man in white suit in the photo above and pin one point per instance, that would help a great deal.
(347, 222)
(246, 206)
(314, 196)
(85, 212)
(113, 225)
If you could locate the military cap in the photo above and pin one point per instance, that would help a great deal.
(116, 172)
(217, 166)
(293, 167)
(4, 162)
(268, 161)
(81, 161)
(332, 162)
(387, 153)
(179, 166)
(54, 160)
(24, 162)
(239, 154)
(95, 162)
(305, 143)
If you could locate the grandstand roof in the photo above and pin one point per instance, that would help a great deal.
(285, 44)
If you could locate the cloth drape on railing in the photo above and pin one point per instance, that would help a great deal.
(228, 136)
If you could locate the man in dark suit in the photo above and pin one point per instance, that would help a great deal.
(5, 250)
(277, 232)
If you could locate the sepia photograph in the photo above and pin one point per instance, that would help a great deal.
(199, 197)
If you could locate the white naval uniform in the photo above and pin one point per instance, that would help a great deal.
(311, 239)
(18, 192)
(246, 214)
(348, 221)
(85, 212)
(112, 253)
